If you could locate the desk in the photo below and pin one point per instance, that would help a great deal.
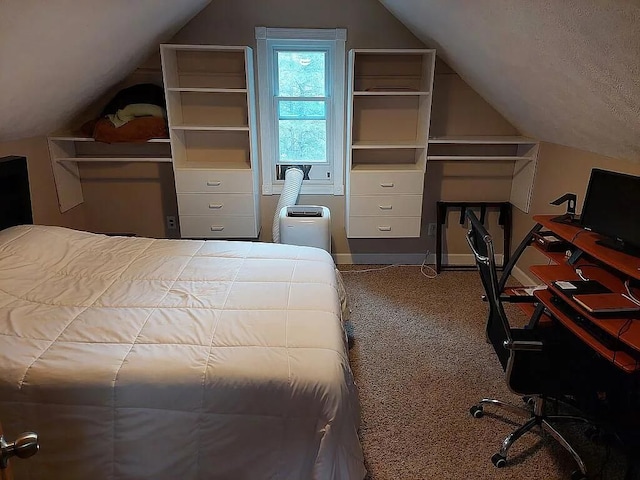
(609, 267)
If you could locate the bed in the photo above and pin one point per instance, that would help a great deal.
(146, 358)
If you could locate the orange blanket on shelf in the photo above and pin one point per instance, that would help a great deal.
(140, 129)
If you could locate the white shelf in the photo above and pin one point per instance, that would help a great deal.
(380, 145)
(484, 140)
(206, 90)
(68, 149)
(115, 159)
(77, 138)
(211, 128)
(520, 151)
(390, 93)
(474, 158)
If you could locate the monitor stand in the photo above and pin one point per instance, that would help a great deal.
(567, 219)
(619, 246)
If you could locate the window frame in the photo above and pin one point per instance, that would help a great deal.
(332, 41)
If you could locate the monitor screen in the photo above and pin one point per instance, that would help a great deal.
(611, 208)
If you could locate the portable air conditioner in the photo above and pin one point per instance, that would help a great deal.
(307, 225)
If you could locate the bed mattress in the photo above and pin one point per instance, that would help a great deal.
(142, 358)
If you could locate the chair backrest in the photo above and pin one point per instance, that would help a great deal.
(498, 329)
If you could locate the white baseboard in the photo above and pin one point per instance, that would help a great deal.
(405, 259)
(523, 278)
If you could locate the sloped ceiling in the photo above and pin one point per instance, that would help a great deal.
(563, 71)
(56, 56)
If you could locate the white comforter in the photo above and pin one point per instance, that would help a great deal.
(138, 358)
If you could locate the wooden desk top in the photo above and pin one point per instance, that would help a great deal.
(618, 267)
(617, 327)
(619, 358)
(586, 241)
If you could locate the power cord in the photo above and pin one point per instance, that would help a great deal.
(630, 295)
(426, 270)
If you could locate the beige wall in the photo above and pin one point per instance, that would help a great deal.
(44, 199)
(560, 170)
(129, 198)
(137, 198)
(457, 109)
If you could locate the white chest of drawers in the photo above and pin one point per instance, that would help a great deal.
(388, 127)
(385, 204)
(212, 124)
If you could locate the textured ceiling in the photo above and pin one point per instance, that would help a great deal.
(563, 71)
(57, 56)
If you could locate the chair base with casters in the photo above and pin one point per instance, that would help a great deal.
(536, 418)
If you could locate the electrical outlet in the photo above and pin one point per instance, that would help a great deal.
(431, 229)
(172, 224)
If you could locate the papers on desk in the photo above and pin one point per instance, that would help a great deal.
(527, 291)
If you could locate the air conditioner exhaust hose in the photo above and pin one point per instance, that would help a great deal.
(289, 196)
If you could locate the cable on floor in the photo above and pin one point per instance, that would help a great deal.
(426, 270)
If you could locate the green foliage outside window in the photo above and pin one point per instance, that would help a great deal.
(302, 126)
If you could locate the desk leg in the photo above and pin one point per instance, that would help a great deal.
(506, 271)
(535, 317)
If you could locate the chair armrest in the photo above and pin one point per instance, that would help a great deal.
(530, 345)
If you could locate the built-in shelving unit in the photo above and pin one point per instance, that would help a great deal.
(212, 124)
(521, 151)
(66, 150)
(389, 109)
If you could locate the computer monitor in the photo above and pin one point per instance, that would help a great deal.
(612, 209)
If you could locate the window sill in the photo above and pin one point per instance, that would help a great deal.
(307, 189)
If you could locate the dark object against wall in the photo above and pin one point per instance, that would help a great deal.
(15, 199)
(141, 93)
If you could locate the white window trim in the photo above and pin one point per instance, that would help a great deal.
(300, 37)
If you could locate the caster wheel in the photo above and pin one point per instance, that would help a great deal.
(476, 411)
(578, 475)
(499, 461)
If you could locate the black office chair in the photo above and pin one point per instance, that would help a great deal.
(532, 360)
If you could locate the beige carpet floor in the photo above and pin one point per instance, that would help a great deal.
(420, 361)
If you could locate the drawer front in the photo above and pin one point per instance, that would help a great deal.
(216, 204)
(214, 181)
(212, 226)
(367, 183)
(386, 205)
(384, 227)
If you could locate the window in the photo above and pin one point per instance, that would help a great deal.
(301, 97)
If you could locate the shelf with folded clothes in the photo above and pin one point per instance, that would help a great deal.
(130, 128)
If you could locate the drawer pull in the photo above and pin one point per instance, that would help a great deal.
(387, 185)
(384, 228)
(385, 207)
(217, 228)
(215, 206)
(213, 183)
